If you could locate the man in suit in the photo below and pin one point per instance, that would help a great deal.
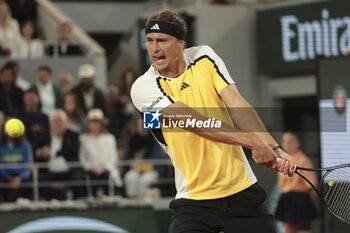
(35, 121)
(11, 97)
(64, 148)
(65, 46)
(50, 94)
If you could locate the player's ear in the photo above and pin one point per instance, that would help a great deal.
(182, 43)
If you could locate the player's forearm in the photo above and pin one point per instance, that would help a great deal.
(248, 120)
(244, 115)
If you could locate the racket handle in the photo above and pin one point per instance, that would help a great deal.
(295, 167)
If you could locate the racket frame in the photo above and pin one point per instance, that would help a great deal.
(318, 191)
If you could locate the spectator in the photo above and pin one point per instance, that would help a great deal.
(115, 114)
(98, 152)
(75, 120)
(13, 151)
(9, 30)
(88, 94)
(65, 82)
(128, 78)
(28, 46)
(64, 147)
(20, 81)
(50, 95)
(124, 109)
(295, 208)
(36, 123)
(23, 9)
(65, 45)
(11, 97)
(142, 174)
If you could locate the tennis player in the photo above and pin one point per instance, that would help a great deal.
(216, 188)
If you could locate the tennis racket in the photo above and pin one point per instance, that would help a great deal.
(333, 189)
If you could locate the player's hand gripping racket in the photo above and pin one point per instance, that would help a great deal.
(333, 189)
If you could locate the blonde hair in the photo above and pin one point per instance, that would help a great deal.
(8, 18)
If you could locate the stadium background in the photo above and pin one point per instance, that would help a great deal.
(247, 35)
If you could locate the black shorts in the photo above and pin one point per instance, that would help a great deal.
(243, 212)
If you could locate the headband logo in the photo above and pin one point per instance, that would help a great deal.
(155, 27)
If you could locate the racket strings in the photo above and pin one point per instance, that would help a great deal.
(337, 197)
(339, 200)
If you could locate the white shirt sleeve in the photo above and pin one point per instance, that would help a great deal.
(147, 95)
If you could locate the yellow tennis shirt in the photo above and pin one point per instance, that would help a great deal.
(204, 169)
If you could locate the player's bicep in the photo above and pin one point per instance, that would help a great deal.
(232, 98)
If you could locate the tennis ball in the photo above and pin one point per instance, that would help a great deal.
(330, 183)
(14, 128)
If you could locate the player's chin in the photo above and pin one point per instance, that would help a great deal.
(160, 67)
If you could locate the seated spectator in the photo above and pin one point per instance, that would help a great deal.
(98, 152)
(23, 9)
(124, 103)
(141, 174)
(65, 82)
(13, 151)
(28, 46)
(128, 78)
(20, 82)
(64, 147)
(36, 123)
(65, 46)
(11, 97)
(88, 94)
(9, 30)
(115, 114)
(50, 95)
(75, 120)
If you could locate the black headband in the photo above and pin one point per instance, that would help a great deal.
(165, 27)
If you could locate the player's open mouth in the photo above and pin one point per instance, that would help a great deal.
(158, 59)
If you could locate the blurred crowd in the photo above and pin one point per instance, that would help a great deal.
(19, 37)
(75, 133)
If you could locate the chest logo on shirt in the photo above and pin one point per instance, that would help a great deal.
(184, 85)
